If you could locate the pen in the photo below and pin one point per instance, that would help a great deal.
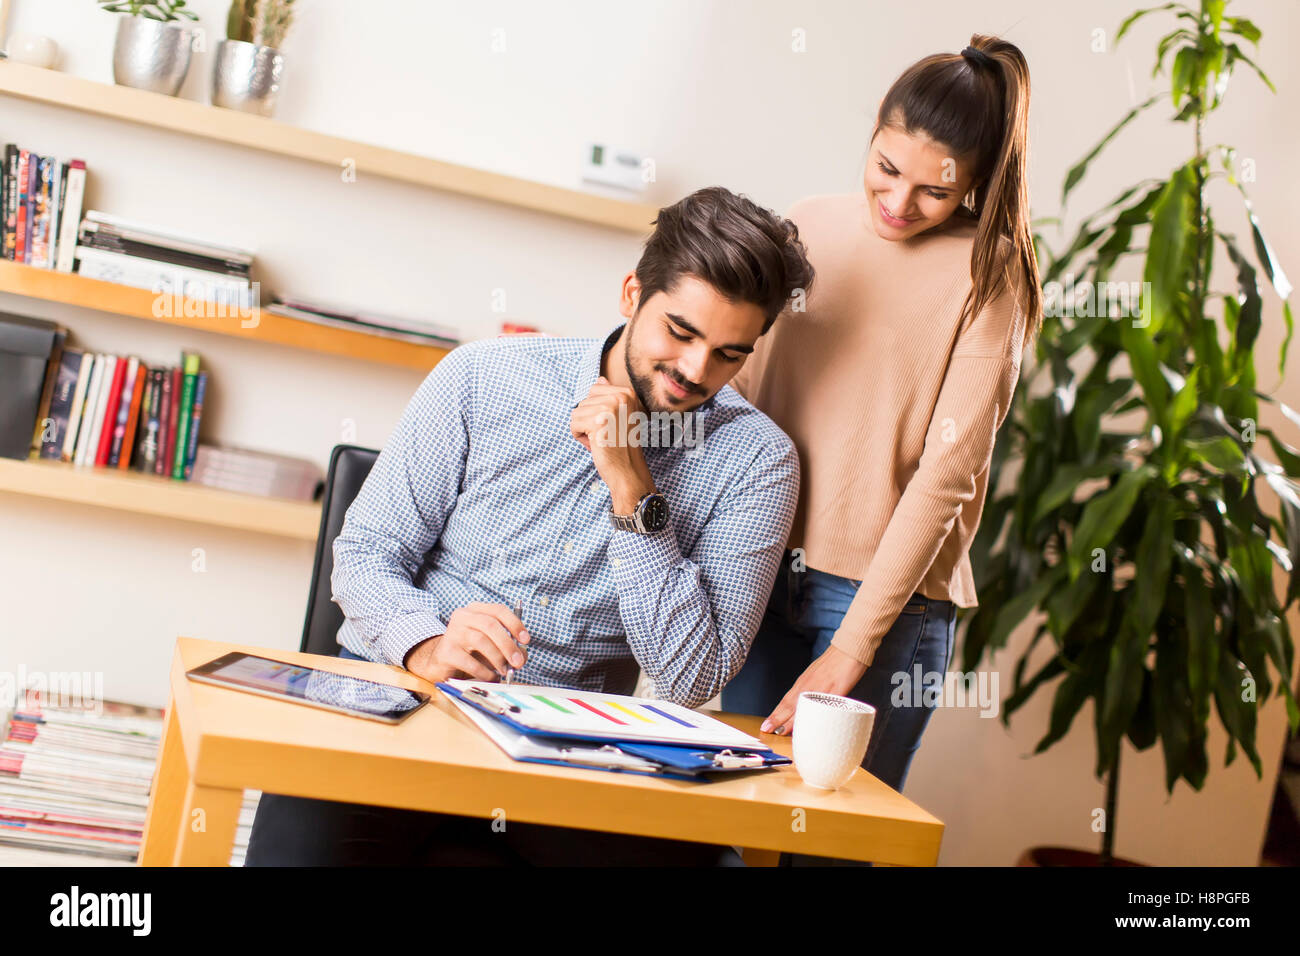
(519, 613)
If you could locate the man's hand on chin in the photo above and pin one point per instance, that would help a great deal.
(481, 643)
(603, 423)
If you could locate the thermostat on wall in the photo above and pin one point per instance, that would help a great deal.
(613, 167)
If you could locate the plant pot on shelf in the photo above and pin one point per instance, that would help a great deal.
(1065, 856)
(246, 77)
(151, 55)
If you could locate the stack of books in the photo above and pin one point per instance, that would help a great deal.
(77, 779)
(112, 411)
(40, 206)
(164, 261)
(258, 473)
(416, 331)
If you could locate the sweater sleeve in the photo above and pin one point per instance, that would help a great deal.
(972, 403)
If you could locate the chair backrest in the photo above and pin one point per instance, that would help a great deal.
(349, 466)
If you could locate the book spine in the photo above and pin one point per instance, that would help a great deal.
(73, 201)
(177, 377)
(142, 427)
(20, 214)
(200, 391)
(41, 206)
(149, 436)
(78, 403)
(85, 426)
(94, 414)
(123, 412)
(9, 211)
(190, 368)
(112, 395)
(164, 421)
(52, 367)
(65, 389)
(57, 190)
(133, 416)
(33, 184)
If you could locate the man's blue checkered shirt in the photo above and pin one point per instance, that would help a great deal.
(482, 494)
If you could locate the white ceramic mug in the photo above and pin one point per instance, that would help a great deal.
(831, 734)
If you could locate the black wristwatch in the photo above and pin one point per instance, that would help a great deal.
(651, 515)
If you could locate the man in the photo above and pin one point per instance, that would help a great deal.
(629, 503)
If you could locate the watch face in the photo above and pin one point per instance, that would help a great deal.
(654, 513)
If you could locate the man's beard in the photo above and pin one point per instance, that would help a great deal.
(644, 385)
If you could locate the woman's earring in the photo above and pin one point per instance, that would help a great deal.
(969, 201)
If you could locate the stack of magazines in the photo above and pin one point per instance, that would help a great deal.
(416, 331)
(257, 473)
(164, 261)
(76, 779)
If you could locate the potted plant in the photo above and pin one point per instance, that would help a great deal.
(248, 68)
(151, 51)
(1134, 522)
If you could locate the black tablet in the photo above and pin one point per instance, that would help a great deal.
(307, 685)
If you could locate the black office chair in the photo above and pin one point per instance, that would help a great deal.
(349, 466)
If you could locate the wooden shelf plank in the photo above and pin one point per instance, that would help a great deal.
(192, 118)
(160, 497)
(72, 289)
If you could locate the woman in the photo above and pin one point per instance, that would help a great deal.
(893, 383)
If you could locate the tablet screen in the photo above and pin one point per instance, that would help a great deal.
(310, 686)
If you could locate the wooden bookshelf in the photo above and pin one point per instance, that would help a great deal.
(71, 289)
(191, 118)
(161, 497)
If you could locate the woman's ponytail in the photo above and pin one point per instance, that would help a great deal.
(977, 104)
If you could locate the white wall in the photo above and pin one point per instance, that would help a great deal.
(713, 92)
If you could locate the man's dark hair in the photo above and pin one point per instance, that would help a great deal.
(747, 253)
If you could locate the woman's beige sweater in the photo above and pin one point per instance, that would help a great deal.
(893, 404)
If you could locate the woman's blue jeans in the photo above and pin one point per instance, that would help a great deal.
(802, 615)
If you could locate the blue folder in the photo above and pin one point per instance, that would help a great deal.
(679, 761)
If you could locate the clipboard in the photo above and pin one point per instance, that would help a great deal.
(587, 715)
(694, 762)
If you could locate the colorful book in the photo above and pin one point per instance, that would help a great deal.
(190, 370)
(20, 214)
(123, 412)
(87, 426)
(43, 211)
(70, 215)
(108, 391)
(196, 416)
(133, 416)
(9, 209)
(65, 390)
(164, 422)
(33, 184)
(78, 403)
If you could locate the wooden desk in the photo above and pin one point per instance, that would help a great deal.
(219, 742)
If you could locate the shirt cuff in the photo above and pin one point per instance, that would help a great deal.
(638, 558)
(405, 633)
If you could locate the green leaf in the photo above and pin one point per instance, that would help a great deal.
(1173, 705)
(1079, 684)
(1184, 405)
(1238, 715)
(1171, 250)
(1133, 18)
(1077, 171)
(1221, 452)
(1022, 604)
(1154, 558)
(1244, 28)
(1187, 62)
(1202, 646)
(1139, 345)
(1103, 515)
(1251, 306)
(1050, 670)
(1067, 479)
(1123, 685)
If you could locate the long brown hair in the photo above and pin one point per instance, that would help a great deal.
(976, 103)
